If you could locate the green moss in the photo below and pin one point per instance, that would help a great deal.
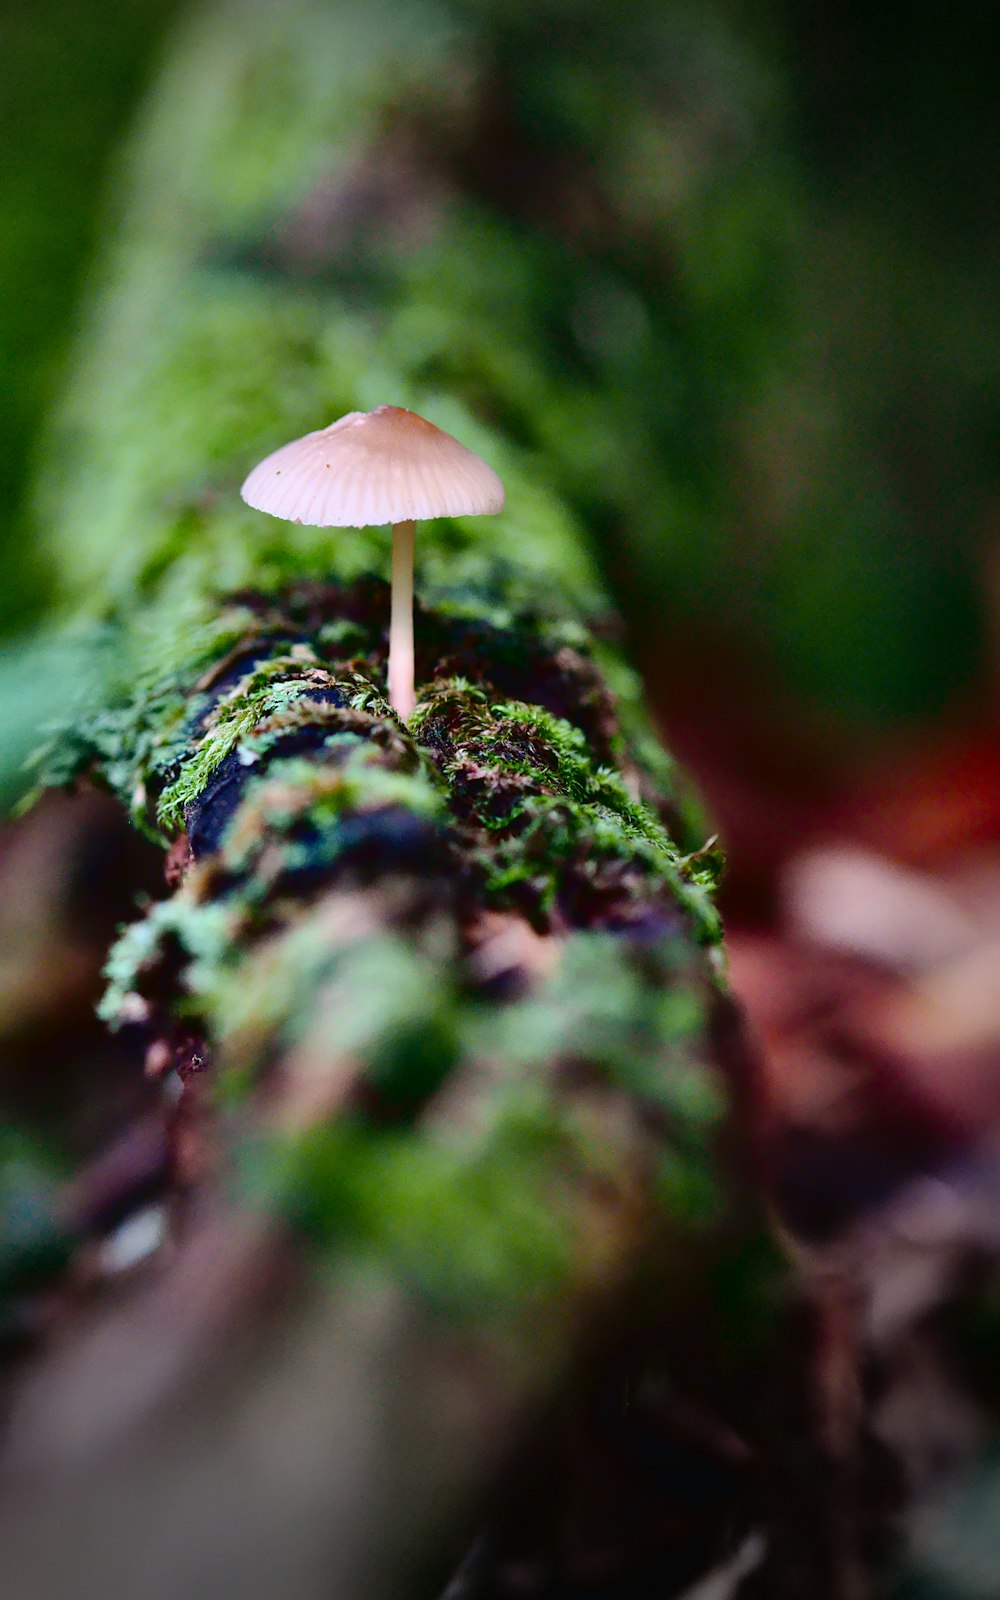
(556, 834)
(475, 1228)
(483, 1222)
(516, 738)
(137, 729)
(263, 701)
(325, 942)
(288, 824)
(633, 1012)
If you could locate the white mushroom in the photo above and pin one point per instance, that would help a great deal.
(369, 468)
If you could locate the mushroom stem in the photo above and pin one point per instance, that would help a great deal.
(401, 695)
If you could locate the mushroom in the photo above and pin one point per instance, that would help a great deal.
(372, 467)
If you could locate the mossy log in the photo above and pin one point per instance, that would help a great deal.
(447, 997)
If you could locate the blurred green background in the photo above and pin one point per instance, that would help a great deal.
(841, 521)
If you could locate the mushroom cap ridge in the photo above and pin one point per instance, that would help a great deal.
(373, 467)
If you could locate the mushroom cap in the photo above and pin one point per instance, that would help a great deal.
(372, 467)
